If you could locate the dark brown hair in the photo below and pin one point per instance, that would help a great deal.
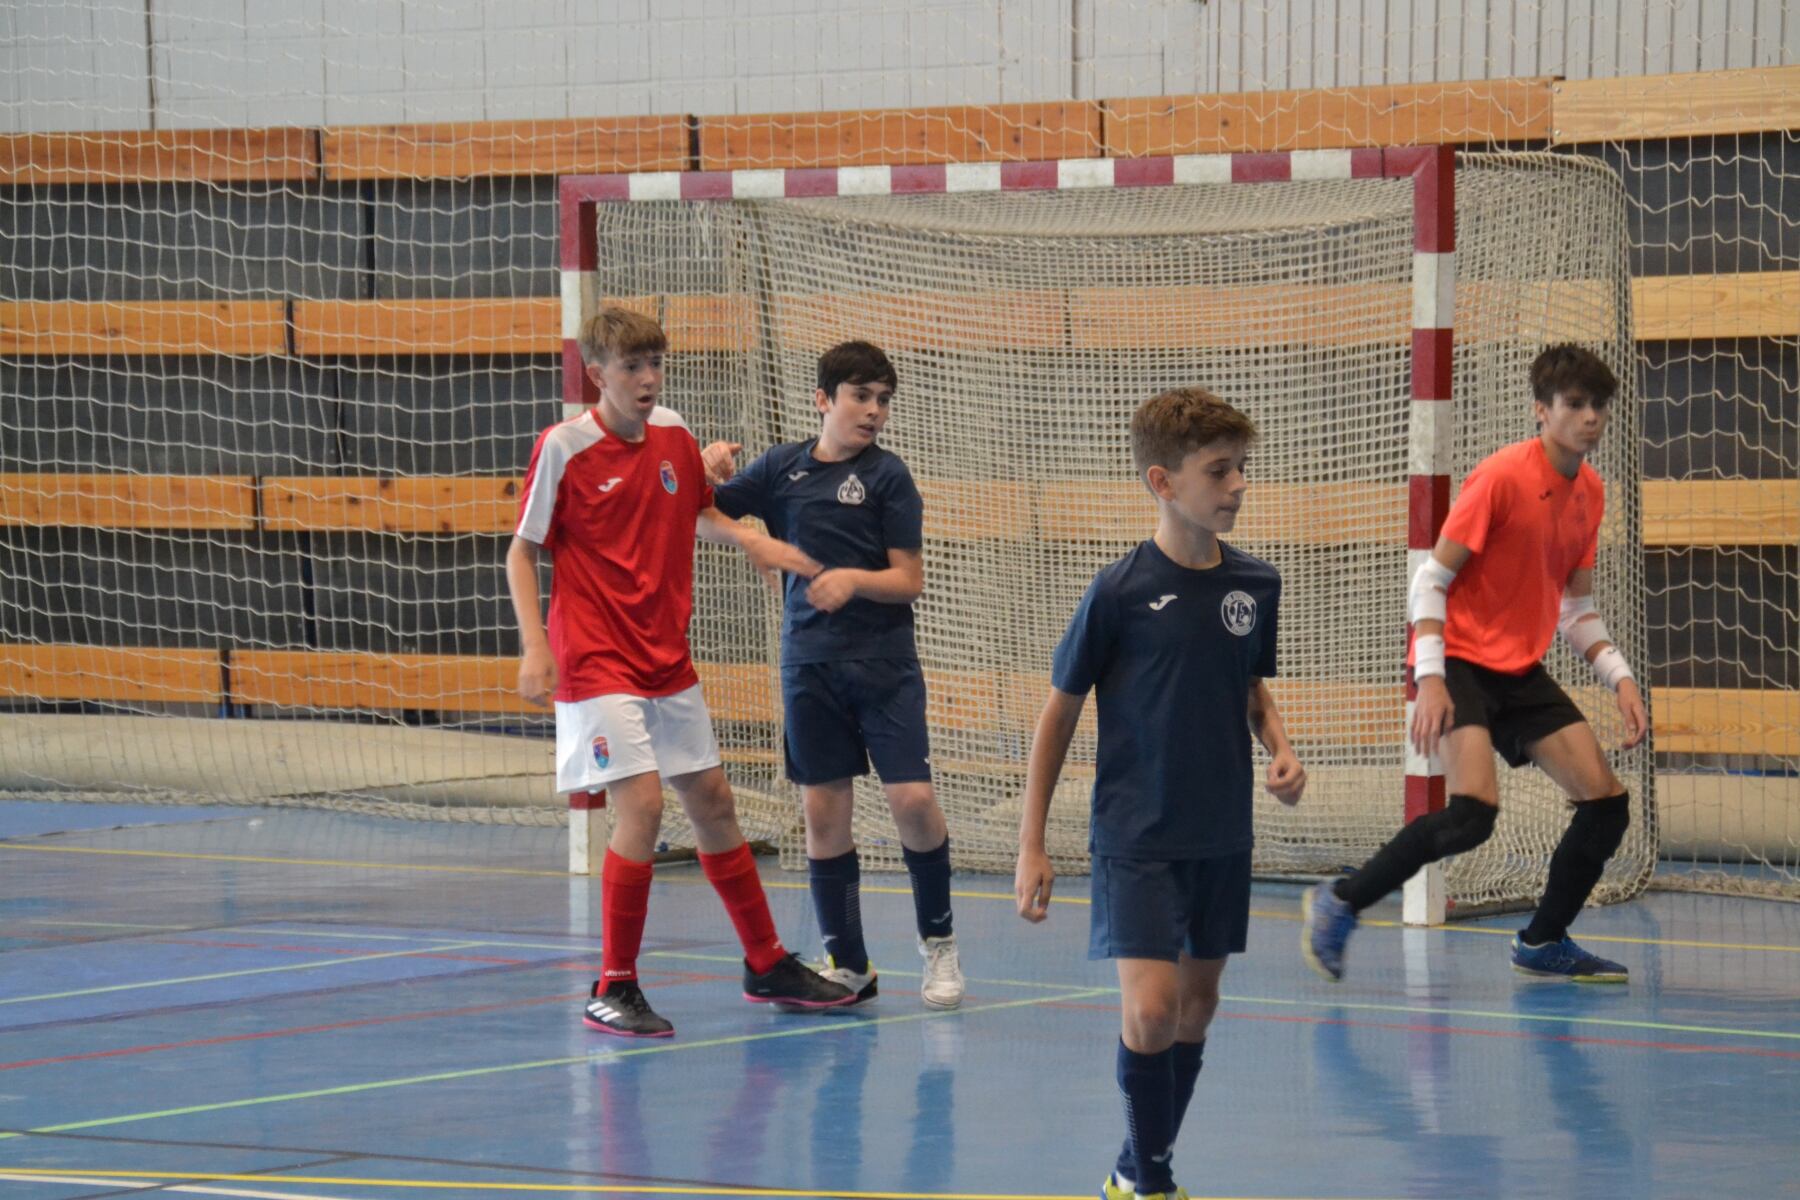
(1568, 366)
(1168, 427)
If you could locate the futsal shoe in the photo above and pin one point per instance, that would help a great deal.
(1565, 960)
(860, 982)
(622, 1010)
(1117, 1187)
(942, 986)
(1325, 925)
(790, 983)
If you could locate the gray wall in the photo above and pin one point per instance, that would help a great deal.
(101, 64)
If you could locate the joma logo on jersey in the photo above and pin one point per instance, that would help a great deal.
(610, 484)
(1239, 612)
(1162, 601)
(668, 477)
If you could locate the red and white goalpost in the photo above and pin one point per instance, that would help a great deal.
(1029, 308)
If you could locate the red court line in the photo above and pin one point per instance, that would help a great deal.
(1461, 1031)
(662, 979)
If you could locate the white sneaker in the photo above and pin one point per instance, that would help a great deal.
(860, 982)
(943, 983)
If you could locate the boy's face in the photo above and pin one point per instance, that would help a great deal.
(1207, 489)
(629, 384)
(1574, 420)
(856, 415)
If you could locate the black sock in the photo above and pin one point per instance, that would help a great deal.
(1576, 866)
(930, 873)
(1147, 1082)
(1460, 825)
(837, 899)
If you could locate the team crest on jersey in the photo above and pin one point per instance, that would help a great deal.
(668, 478)
(1239, 611)
(602, 753)
(851, 490)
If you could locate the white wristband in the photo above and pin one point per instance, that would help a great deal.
(1428, 655)
(1612, 668)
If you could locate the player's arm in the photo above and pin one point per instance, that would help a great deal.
(900, 582)
(1586, 633)
(1034, 877)
(767, 554)
(1425, 608)
(537, 666)
(1287, 778)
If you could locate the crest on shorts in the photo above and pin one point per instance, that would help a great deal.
(1239, 611)
(851, 490)
(668, 478)
(602, 753)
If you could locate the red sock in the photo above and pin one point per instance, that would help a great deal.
(624, 899)
(733, 875)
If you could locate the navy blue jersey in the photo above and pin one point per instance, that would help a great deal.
(1170, 654)
(844, 514)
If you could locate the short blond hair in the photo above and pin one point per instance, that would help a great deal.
(615, 332)
(1172, 425)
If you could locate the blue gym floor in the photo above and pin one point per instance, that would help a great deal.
(302, 1004)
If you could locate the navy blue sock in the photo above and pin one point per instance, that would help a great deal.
(837, 899)
(1187, 1072)
(1147, 1081)
(930, 872)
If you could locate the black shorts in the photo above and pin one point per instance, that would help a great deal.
(842, 714)
(1516, 710)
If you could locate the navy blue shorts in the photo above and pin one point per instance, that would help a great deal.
(840, 715)
(1146, 908)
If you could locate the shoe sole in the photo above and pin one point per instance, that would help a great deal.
(1560, 976)
(624, 1033)
(1306, 950)
(786, 1003)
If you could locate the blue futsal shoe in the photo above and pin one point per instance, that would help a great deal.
(1565, 960)
(1325, 925)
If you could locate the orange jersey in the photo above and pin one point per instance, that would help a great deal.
(1529, 528)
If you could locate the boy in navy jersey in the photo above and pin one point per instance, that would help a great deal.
(617, 496)
(1175, 639)
(851, 685)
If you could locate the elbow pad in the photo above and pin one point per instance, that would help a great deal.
(1428, 596)
(1581, 625)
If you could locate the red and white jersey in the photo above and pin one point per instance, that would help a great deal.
(618, 518)
(1530, 528)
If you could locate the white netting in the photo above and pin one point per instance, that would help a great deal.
(1026, 327)
(341, 227)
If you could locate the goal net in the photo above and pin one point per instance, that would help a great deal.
(1026, 326)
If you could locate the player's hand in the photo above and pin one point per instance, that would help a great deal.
(831, 590)
(772, 556)
(1033, 880)
(1433, 715)
(717, 458)
(1637, 717)
(537, 675)
(1287, 778)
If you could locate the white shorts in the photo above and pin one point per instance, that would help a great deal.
(613, 737)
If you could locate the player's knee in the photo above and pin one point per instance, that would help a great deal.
(1152, 1019)
(1599, 825)
(913, 805)
(1198, 1007)
(1464, 824)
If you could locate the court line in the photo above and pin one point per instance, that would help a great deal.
(566, 1188)
(148, 1184)
(307, 966)
(825, 1025)
(878, 889)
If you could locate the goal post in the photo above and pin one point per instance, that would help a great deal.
(1029, 307)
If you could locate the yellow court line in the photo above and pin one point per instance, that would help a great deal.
(1265, 914)
(610, 1189)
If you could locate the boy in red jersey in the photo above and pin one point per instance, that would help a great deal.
(1514, 564)
(617, 496)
